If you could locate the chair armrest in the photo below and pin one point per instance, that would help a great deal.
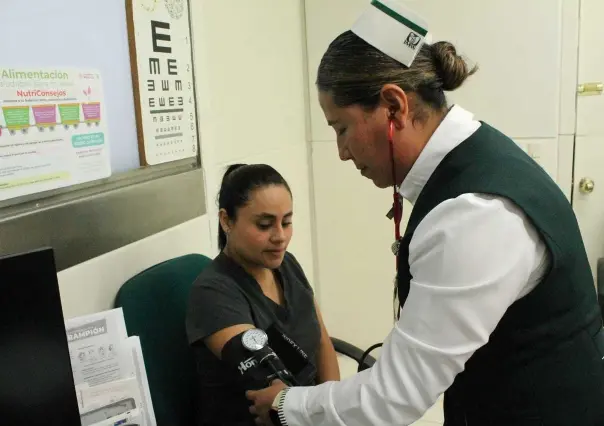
(351, 351)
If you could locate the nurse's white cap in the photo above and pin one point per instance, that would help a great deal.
(394, 29)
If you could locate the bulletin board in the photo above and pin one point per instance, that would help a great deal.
(80, 51)
(82, 35)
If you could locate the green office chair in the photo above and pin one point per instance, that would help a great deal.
(154, 304)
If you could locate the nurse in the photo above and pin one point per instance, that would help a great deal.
(498, 307)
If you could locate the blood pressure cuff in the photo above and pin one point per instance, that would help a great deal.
(245, 365)
(295, 359)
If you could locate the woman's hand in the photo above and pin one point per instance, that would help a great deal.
(263, 401)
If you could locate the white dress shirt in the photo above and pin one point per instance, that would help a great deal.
(470, 258)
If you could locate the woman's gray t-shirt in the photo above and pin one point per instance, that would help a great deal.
(225, 295)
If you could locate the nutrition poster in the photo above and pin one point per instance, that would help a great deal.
(53, 132)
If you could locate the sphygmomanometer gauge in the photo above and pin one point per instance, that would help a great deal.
(254, 339)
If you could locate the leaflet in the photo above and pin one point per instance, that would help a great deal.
(108, 369)
(95, 397)
(130, 418)
(146, 405)
(95, 348)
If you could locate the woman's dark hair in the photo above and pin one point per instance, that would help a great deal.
(354, 72)
(238, 182)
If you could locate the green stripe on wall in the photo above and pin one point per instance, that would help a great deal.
(400, 18)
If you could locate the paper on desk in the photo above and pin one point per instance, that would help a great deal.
(108, 365)
(107, 393)
(146, 406)
(95, 347)
(133, 417)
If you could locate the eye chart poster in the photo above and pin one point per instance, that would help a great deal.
(53, 132)
(162, 65)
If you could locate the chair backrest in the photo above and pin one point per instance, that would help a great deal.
(154, 304)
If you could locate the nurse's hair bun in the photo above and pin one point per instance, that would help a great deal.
(451, 68)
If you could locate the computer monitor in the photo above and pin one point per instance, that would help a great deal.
(36, 380)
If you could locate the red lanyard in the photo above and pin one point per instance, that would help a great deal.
(397, 205)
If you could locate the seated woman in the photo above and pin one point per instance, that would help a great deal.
(253, 283)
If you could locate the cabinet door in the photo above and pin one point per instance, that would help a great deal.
(588, 188)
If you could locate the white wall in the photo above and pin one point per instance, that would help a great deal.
(525, 86)
(251, 96)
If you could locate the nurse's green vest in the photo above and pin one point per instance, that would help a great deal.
(543, 363)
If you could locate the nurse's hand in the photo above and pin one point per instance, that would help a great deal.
(263, 401)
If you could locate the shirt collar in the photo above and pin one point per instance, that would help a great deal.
(457, 126)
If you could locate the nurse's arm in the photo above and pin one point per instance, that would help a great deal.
(470, 258)
(327, 359)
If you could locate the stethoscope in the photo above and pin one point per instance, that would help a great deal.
(397, 205)
(395, 213)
